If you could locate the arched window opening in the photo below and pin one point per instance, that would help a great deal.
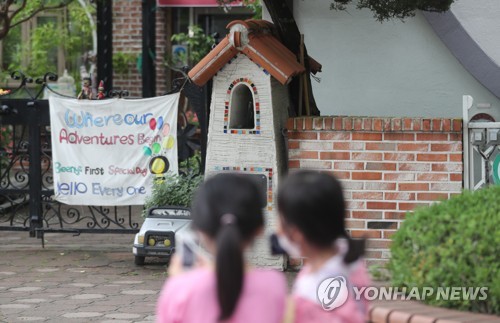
(242, 109)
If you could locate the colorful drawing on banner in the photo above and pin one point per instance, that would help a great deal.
(159, 163)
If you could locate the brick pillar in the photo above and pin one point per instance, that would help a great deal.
(127, 38)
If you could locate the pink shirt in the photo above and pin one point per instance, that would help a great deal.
(192, 298)
(307, 305)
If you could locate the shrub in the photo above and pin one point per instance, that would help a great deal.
(455, 243)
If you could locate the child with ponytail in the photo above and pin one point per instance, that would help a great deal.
(312, 208)
(227, 214)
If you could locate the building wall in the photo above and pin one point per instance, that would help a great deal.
(127, 38)
(391, 68)
(388, 166)
(246, 153)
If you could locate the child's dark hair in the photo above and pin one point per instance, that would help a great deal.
(314, 203)
(228, 208)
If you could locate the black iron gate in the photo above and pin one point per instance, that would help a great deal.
(26, 182)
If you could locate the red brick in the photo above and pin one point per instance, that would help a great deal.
(400, 196)
(396, 124)
(403, 206)
(337, 123)
(303, 154)
(293, 144)
(380, 186)
(355, 224)
(381, 205)
(348, 145)
(414, 167)
(380, 166)
(380, 146)
(432, 157)
(341, 175)
(334, 135)
(430, 177)
(308, 122)
(349, 165)
(436, 125)
(303, 135)
(448, 167)
(377, 124)
(367, 176)
(378, 244)
(454, 147)
(367, 136)
(446, 125)
(417, 124)
(367, 195)
(400, 177)
(366, 156)
(457, 124)
(456, 137)
(413, 147)
(358, 124)
(413, 186)
(456, 157)
(367, 124)
(387, 124)
(334, 155)
(299, 123)
(456, 177)
(328, 123)
(367, 214)
(293, 164)
(347, 123)
(407, 124)
(426, 124)
(318, 124)
(432, 137)
(399, 156)
(374, 234)
(395, 215)
(399, 137)
(432, 196)
(290, 124)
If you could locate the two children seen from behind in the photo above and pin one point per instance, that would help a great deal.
(227, 214)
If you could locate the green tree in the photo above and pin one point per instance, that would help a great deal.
(15, 12)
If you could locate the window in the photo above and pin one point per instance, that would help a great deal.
(242, 109)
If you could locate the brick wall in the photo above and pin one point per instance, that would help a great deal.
(127, 38)
(388, 166)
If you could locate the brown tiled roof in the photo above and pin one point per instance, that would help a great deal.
(254, 39)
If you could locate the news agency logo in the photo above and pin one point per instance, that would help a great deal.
(332, 292)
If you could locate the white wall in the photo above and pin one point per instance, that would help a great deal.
(388, 69)
(481, 20)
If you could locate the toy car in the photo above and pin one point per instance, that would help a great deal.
(156, 237)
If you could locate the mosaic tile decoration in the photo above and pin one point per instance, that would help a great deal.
(269, 172)
(256, 130)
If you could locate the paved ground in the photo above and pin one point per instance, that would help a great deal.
(89, 278)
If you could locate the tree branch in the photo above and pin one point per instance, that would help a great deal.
(42, 8)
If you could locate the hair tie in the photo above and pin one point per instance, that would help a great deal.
(228, 219)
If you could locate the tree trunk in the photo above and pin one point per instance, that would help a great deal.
(289, 33)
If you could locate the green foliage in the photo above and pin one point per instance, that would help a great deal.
(450, 244)
(390, 9)
(255, 6)
(198, 45)
(176, 190)
(123, 61)
(5, 146)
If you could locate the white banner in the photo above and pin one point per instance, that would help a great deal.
(107, 152)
